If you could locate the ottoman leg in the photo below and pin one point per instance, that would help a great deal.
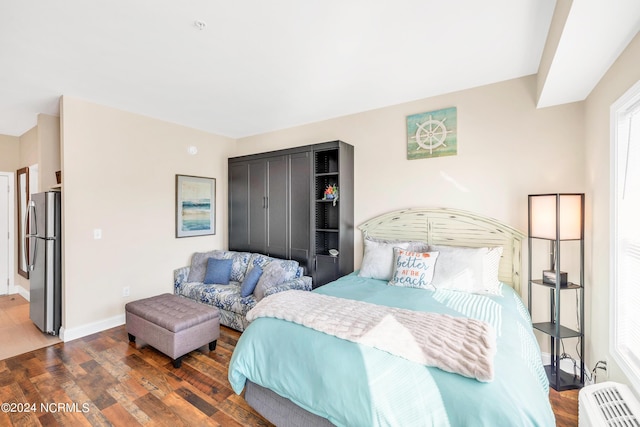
(212, 345)
(177, 362)
(132, 338)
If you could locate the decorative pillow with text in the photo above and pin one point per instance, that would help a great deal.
(413, 269)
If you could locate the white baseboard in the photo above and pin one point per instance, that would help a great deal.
(17, 289)
(91, 328)
(80, 331)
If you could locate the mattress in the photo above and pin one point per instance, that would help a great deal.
(354, 385)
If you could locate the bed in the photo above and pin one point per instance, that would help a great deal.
(296, 375)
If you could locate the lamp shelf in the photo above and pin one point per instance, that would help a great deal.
(558, 218)
(549, 239)
(569, 285)
(564, 382)
(549, 328)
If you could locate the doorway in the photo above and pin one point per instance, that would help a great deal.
(6, 232)
(17, 333)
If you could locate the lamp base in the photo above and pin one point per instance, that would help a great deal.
(549, 277)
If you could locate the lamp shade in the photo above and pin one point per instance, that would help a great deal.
(543, 212)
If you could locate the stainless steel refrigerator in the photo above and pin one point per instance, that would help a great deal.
(44, 261)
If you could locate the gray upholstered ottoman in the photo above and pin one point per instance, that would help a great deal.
(173, 325)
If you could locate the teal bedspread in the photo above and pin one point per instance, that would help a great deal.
(356, 385)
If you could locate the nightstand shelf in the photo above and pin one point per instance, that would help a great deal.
(567, 381)
(549, 328)
(569, 285)
(544, 211)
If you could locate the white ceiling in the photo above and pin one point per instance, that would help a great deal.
(262, 65)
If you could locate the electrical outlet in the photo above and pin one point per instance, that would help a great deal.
(125, 291)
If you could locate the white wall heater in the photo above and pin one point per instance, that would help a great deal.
(608, 404)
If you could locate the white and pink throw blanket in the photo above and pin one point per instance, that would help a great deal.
(454, 344)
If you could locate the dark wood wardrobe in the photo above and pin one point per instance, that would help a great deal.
(277, 206)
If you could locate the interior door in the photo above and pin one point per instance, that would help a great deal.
(277, 207)
(257, 206)
(4, 235)
(239, 207)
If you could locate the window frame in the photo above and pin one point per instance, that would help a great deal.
(631, 368)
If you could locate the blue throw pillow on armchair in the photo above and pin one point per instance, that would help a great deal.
(218, 271)
(250, 281)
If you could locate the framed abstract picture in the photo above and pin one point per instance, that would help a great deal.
(195, 206)
(432, 134)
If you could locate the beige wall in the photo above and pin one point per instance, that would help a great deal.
(623, 74)
(29, 151)
(49, 150)
(119, 176)
(507, 149)
(9, 153)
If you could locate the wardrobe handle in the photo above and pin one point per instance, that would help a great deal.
(267, 202)
(264, 203)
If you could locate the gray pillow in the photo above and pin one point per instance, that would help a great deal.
(273, 274)
(377, 262)
(199, 264)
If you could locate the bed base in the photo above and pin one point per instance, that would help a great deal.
(278, 410)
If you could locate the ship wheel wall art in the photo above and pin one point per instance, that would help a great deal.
(432, 134)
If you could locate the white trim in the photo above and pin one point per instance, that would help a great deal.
(17, 289)
(625, 101)
(91, 328)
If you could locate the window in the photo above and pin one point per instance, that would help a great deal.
(625, 235)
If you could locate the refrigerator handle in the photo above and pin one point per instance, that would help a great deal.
(31, 206)
(27, 254)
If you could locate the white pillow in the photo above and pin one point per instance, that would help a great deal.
(473, 270)
(413, 269)
(377, 262)
(491, 264)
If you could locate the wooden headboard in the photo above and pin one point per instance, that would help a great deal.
(442, 226)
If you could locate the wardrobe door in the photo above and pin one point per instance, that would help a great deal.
(301, 170)
(257, 206)
(277, 207)
(239, 206)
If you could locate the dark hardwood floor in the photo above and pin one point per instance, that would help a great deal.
(565, 407)
(102, 380)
